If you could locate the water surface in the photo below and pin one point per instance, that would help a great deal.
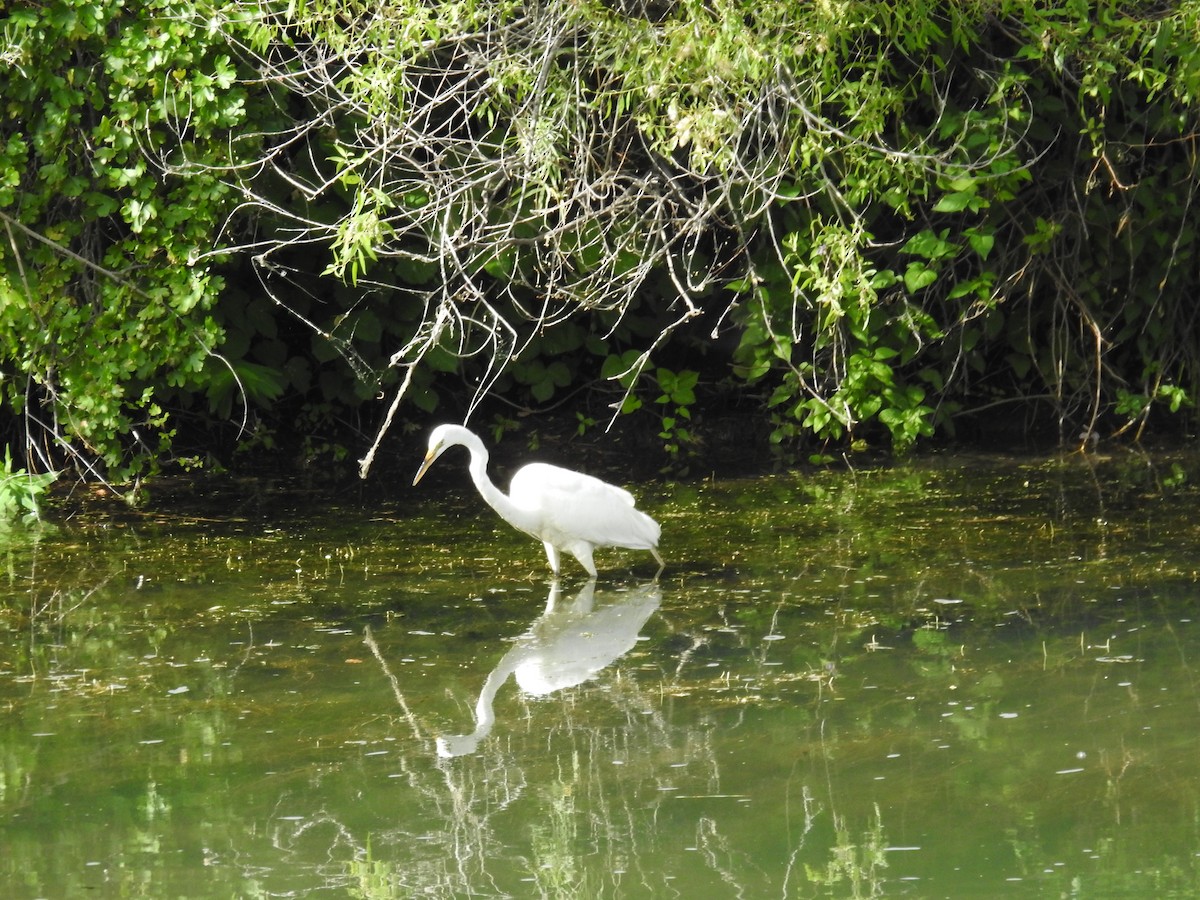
(960, 676)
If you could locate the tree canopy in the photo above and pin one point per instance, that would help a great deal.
(867, 221)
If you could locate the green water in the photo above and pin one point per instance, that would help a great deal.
(956, 677)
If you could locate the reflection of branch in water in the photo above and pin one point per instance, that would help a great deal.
(55, 610)
(56, 599)
(716, 852)
(565, 647)
(369, 640)
(811, 810)
(685, 657)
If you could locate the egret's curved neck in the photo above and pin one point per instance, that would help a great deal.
(495, 498)
(485, 716)
(485, 706)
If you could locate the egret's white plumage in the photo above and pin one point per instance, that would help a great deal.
(565, 510)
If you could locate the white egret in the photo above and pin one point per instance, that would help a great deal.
(565, 510)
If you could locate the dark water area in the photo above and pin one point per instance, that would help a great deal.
(958, 676)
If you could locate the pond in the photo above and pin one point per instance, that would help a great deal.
(956, 676)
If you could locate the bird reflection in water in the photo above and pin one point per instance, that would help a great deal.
(566, 646)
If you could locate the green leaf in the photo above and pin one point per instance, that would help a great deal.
(882, 279)
(918, 276)
(957, 202)
(981, 242)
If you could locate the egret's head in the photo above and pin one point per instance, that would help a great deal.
(441, 437)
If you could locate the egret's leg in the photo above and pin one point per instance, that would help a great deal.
(552, 555)
(661, 565)
(583, 553)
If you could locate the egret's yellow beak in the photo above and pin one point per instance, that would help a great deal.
(429, 458)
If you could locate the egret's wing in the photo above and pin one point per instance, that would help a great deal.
(578, 506)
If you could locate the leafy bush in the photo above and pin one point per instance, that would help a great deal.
(1006, 218)
(885, 216)
(118, 119)
(910, 206)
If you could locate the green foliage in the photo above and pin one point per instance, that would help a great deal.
(678, 395)
(21, 492)
(114, 118)
(912, 204)
(625, 369)
(584, 423)
(893, 208)
(901, 212)
(846, 373)
(961, 247)
(542, 377)
(502, 425)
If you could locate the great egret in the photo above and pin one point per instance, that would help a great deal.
(565, 510)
